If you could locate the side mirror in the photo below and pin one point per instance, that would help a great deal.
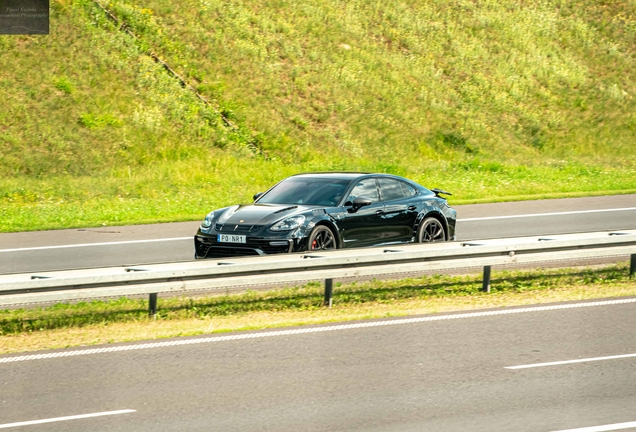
(258, 195)
(357, 203)
(361, 202)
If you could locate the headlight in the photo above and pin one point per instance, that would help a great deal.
(289, 224)
(207, 222)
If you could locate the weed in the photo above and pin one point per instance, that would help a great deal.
(64, 84)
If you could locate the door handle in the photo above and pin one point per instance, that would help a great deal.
(379, 212)
(412, 207)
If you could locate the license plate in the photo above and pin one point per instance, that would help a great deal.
(231, 238)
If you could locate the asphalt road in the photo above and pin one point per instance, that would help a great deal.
(416, 374)
(147, 244)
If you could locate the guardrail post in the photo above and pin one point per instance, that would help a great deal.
(632, 266)
(328, 292)
(152, 306)
(486, 284)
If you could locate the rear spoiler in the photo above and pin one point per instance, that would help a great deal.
(439, 192)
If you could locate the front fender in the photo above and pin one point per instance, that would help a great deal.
(330, 222)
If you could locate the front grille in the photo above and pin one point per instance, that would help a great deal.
(237, 228)
(224, 251)
(207, 247)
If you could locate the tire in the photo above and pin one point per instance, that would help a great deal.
(431, 231)
(321, 238)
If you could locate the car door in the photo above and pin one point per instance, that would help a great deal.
(363, 226)
(400, 209)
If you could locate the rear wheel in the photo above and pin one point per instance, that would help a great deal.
(431, 230)
(321, 238)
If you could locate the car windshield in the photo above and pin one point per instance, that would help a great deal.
(306, 190)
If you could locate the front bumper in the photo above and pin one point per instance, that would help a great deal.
(206, 245)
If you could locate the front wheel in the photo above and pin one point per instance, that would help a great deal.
(321, 238)
(431, 230)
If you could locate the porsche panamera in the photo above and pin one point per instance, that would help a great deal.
(321, 211)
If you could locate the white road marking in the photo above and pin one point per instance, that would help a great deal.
(57, 419)
(545, 214)
(97, 244)
(609, 427)
(307, 330)
(565, 362)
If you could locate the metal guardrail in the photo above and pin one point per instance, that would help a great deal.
(327, 265)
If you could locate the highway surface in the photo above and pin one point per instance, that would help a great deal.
(148, 244)
(559, 367)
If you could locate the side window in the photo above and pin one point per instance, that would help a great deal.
(408, 190)
(395, 189)
(365, 188)
(391, 189)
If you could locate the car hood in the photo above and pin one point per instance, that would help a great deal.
(259, 214)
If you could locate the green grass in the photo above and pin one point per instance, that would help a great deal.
(493, 101)
(127, 319)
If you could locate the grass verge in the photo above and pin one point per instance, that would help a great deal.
(124, 320)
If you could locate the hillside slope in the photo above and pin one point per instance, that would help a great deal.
(489, 99)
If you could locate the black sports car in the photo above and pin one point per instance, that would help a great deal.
(319, 211)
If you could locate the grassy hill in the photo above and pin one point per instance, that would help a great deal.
(491, 100)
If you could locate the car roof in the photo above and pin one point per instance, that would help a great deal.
(352, 176)
(345, 175)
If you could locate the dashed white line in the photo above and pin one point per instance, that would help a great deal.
(308, 330)
(545, 214)
(609, 427)
(58, 419)
(565, 362)
(96, 244)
